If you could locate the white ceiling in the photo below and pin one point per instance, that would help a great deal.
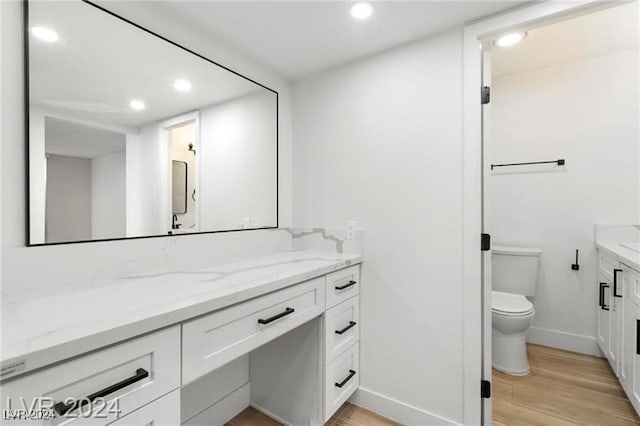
(76, 140)
(597, 34)
(300, 38)
(102, 63)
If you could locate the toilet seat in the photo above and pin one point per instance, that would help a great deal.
(512, 305)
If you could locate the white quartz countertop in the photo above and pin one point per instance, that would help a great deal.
(50, 328)
(625, 255)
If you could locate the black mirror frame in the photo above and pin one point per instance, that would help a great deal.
(25, 11)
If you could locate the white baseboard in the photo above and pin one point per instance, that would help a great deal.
(396, 410)
(563, 340)
(270, 414)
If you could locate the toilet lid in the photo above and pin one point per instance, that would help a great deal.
(510, 303)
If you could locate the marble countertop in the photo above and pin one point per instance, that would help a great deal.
(627, 256)
(49, 328)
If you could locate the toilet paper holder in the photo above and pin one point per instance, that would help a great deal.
(576, 266)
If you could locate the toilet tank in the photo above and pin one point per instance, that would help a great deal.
(515, 269)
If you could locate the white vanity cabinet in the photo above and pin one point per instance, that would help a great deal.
(610, 309)
(630, 357)
(618, 321)
(298, 341)
(341, 338)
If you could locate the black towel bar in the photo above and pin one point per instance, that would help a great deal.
(559, 162)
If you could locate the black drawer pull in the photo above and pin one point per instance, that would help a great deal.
(278, 316)
(346, 379)
(638, 337)
(602, 304)
(347, 285)
(344, 330)
(62, 408)
(615, 283)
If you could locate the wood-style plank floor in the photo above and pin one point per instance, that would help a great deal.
(347, 415)
(563, 388)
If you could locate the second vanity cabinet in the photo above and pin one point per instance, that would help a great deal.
(298, 343)
(619, 322)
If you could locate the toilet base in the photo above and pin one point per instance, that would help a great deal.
(509, 353)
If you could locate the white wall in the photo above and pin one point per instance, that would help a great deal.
(585, 112)
(27, 269)
(37, 175)
(108, 195)
(68, 199)
(379, 141)
(237, 149)
(146, 183)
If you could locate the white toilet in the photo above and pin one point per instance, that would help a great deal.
(514, 278)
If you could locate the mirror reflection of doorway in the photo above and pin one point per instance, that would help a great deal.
(182, 141)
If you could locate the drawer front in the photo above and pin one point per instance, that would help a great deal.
(215, 339)
(342, 378)
(163, 411)
(131, 374)
(632, 290)
(343, 284)
(607, 264)
(342, 327)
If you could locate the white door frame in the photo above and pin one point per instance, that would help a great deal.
(522, 19)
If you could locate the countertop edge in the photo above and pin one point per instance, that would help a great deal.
(65, 351)
(623, 255)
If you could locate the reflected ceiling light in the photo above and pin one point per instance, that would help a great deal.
(182, 85)
(45, 34)
(510, 39)
(361, 10)
(137, 105)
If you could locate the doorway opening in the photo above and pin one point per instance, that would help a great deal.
(183, 172)
(558, 149)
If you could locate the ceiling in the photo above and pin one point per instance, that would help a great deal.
(102, 63)
(301, 38)
(76, 140)
(601, 33)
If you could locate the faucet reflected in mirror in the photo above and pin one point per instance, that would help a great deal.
(174, 222)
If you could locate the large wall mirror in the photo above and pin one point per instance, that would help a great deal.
(131, 135)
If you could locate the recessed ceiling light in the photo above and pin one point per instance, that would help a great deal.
(137, 105)
(182, 85)
(510, 39)
(45, 34)
(361, 10)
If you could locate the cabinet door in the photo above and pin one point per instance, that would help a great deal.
(616, 311)
(604, 313)
(631, 358)
(627, 336)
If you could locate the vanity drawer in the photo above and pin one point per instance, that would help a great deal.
(215, 339)
(607, 264)
(163, 411)
(342, 285)
(633, 285)
(342, 378)
(132, 374)
(342, 328)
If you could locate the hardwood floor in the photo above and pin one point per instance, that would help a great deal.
(563, 388)
(347, 415)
